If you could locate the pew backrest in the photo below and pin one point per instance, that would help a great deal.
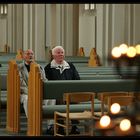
(55, 89)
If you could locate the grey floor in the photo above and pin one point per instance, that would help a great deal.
(23, 126)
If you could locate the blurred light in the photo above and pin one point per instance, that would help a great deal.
(123, 48)
(105, 121)
(131, 52)
(3, 9)
(89, 9)
(115, 108)
(137, 49)
(89, 6)
(116, 52)
(92, 6)
(125, 125)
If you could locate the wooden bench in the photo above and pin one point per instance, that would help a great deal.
(77, 59)
(49, 92)
(98, 77)
(13, 98)
(6, 57)
(80, 62)
(103, 69)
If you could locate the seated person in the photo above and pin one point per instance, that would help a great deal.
(59, 69)
(24, 69)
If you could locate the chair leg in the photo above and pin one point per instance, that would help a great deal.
(89, 127)
(55, 121)
(67, 127)
(58, 128)
(86, 126)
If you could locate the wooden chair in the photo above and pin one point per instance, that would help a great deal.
(120, 97)
(75, 97)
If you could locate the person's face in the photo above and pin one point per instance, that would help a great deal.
(59, 56)
(29, 56)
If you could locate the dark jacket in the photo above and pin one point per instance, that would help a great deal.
(67, 74)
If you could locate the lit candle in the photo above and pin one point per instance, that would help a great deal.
(137, 49)
(116, 52)
(123, 48)
(131, 52)
(125, 125)
(105, 121)
(115, 108)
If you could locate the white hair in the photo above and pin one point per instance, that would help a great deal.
(57, 47)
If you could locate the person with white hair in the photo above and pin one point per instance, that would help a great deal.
(59, 69)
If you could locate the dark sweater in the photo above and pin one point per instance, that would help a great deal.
(28, 67)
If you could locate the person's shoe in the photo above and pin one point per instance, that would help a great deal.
(61, 131)
(74, 130)
(50, 131)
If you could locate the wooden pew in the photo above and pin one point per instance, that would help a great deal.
(98, 77)
(85, 85)
(108, 69)
(77, 59)
(6, 57)
(80, 62)
(35, 91)
(13, 98)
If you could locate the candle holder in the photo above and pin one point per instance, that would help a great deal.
(130, 132)
(105, 131)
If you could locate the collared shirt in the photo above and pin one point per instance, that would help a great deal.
(61, 67)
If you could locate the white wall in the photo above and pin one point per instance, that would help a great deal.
(36, 26)
(3, 33)
(86, 30)
(136, 24)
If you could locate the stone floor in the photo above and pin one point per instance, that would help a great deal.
(23, 131)
(23, 126)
